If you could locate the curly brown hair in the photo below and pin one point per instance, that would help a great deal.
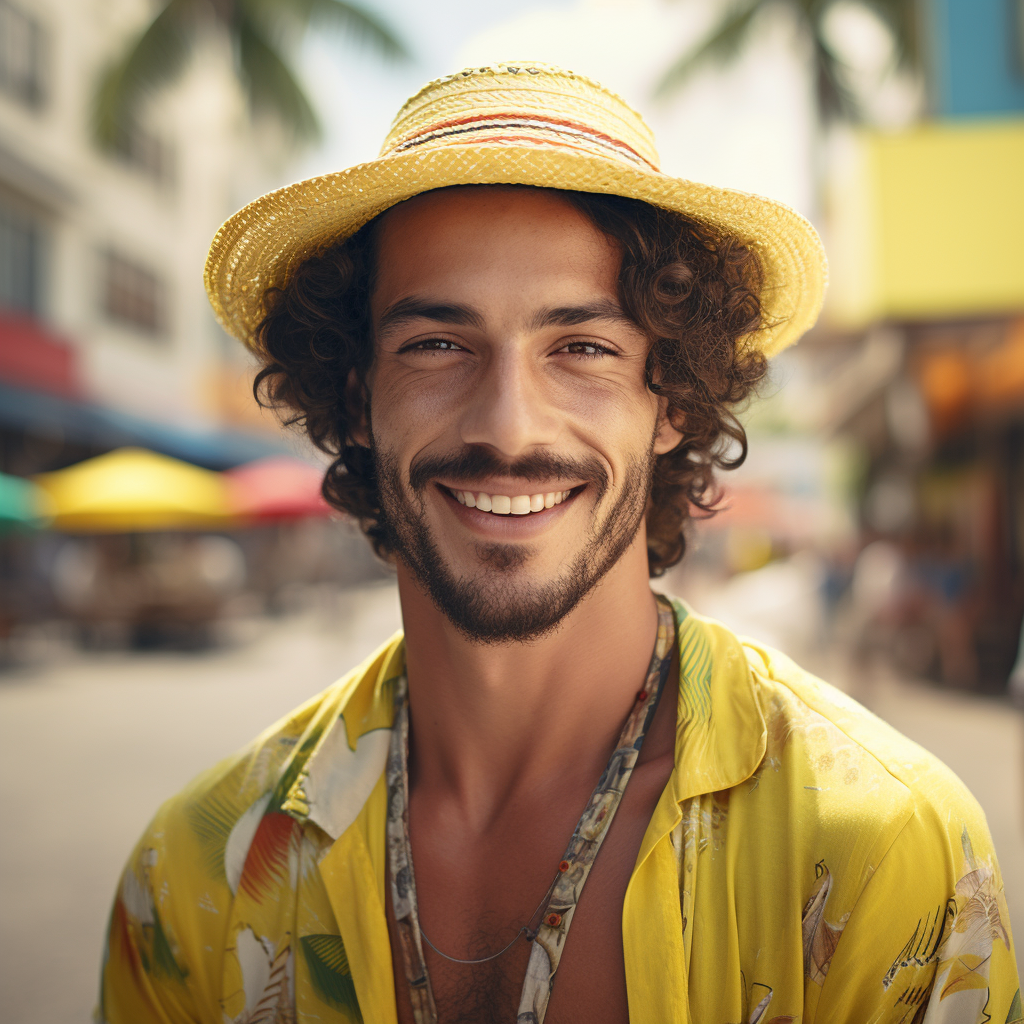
(693, 290)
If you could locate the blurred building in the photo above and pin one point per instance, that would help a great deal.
(924, 234)
(106, 337)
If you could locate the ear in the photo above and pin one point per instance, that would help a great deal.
(668, 435)
(356, 399)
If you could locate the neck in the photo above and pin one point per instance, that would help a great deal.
(492, 721)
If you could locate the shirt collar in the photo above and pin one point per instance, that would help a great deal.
(720, 728)
(349, 754)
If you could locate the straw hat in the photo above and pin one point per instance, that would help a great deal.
(525, 124)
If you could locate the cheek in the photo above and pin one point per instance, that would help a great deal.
(618, 415)
(409, 409)
(617, 425)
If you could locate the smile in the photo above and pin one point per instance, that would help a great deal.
(504, 504)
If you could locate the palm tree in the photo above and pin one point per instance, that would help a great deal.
(835, 98)
(258, 31)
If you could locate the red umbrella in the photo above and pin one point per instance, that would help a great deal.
(276, 488)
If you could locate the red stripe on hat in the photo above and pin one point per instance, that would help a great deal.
(522, 120)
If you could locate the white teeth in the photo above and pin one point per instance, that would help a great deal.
(516, 505)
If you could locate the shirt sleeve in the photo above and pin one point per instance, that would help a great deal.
(144, 978)
(928, 941)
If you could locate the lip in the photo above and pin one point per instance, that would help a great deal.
(510, 527)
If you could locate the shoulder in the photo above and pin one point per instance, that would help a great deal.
(231, 833)
(908, 896)
(208, 828)
(846, 849)
(821, 775)
(189, 860)
(843, 745)
(861, 800)
(205, 830)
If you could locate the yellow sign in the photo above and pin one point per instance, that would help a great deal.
(928, 224)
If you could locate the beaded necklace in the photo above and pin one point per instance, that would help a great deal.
(556, 909)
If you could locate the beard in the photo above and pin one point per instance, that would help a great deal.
(495, 605)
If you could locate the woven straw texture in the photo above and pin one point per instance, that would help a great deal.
(525, 124)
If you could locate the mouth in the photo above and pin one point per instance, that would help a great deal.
(510, 504)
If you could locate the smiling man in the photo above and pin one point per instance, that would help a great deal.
(558, 796)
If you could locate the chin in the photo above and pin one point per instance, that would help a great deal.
(502, 599)
(494, 613)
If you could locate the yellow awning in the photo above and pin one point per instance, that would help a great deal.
(134, 489)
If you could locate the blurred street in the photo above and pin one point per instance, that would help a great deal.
(91, 743)
(90, 746)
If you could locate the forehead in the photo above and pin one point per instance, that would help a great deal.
(475, 242)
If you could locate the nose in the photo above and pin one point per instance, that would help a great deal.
(508, 408)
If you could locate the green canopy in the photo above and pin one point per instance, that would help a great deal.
(21, 503)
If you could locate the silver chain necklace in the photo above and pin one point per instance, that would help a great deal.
(526, 930)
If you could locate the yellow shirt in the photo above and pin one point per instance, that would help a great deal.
(804, 863)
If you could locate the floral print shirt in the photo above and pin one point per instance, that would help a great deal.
(805, 863)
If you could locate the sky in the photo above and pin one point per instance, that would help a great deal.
(747, 127)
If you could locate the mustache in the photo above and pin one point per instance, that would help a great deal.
(474, 462)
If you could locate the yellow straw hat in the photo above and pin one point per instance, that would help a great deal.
(522, 124)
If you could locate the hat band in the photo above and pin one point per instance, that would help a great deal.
(519, 128)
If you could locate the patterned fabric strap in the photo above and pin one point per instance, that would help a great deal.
(403, 882)
(557, 913)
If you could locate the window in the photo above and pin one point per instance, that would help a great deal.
(144, 151)
(21, 260)
(133, 295)
(22, 55)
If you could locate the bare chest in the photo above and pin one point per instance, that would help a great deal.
(473, 900)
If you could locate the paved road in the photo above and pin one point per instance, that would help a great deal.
(89, 745)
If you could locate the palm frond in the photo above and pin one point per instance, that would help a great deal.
(722, 45)
(271, 84)
(154, 59)
(212, 820)
(267, 861)
(329, 971)
(362, 25)
(164, 961)
(835, 100)
(901, 16)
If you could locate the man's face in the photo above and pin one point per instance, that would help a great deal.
(512, 428)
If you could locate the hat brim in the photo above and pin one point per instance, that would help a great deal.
(260, 246)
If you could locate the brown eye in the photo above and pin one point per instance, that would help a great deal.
(433, 345)
(586, 348)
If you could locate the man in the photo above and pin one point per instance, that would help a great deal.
(559, 797)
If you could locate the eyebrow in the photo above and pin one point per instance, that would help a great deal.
(587, 312)
(415, 308)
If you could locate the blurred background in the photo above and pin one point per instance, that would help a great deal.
(170, 579)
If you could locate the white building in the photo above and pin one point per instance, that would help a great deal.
(103, 253)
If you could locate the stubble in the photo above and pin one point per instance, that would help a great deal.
(495, 605)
